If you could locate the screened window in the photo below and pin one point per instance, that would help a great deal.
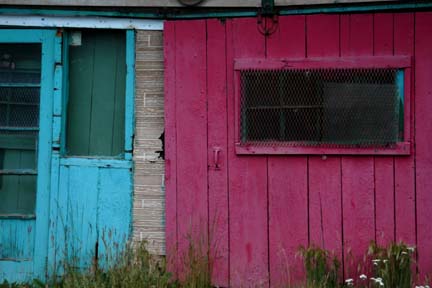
(96, 100)
(20, 76)
(321, 107)
(329, 106)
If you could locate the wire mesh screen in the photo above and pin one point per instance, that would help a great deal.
(19, 109)
(335, 107)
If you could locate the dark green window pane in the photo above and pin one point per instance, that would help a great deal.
(20, 66)
(96, 104)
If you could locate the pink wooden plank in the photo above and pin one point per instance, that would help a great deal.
(217, 140)
(247, 176)
(402, 148)
(358, 210)
(191, 127)
(311, 62)
(325, 211)
(287, 176)
(384, 200)
(404, 166)
(288, 217)
(423, 135)
(357, 172)
(289, 39)
(384, 168)
(383, 34)
(170, 147)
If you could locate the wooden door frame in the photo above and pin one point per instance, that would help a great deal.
(47, 39)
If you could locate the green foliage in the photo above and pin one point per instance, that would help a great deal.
(393, 264)
(321, 268)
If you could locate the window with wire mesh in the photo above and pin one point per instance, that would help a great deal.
(325, 107)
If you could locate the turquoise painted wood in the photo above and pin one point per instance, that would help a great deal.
(83, 205)
(24, 242)
(93, 213)
(130, 93)
(91, 197)
(17, 239)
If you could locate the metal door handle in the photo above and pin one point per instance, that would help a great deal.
(216, 152)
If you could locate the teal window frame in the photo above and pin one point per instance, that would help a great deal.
(129, 101)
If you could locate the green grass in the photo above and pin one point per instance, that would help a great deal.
(390, 266)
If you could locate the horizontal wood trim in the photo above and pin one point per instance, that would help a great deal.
(326, 62)
(175, 3)
(18, 216)
(18, 172)
(96, 162)
(402, 148)
(18, 142)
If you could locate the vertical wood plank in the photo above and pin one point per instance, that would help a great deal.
(191, 122)
(170, 145)
(404, 166)
(113, 212)
(288, 217)
(325, 211)
(82, 214)
(384, 168)
(121, 96)
(103, 93)
(80, 91)
(248, 222)
(44, 156)
(129, 112)
(423, 134)
(287, 177)
(217, 139)
(357, 172)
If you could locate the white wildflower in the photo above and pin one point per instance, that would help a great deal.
(419, 287)
(349, 282)
(378, 281)
(363, 277)
(404, 253)
(376, 261)
(411, 249)
(385, 261)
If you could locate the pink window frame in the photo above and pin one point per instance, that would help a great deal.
(398, 62)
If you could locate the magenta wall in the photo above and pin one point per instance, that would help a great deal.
(257, 210)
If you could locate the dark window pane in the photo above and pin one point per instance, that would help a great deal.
(96, 105)
(358, 107)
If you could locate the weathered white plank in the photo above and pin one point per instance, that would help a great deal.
(80, 22)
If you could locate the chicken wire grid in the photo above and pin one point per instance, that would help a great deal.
(321, 107)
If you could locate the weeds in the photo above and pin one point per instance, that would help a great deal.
(392, 266)
(321, 268)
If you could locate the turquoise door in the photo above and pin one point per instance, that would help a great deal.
(27, 68)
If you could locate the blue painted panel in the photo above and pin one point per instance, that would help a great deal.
(16, 239)
(93, 207)
(114, 211)
(16, 271)
(82, 205)
(96, 162)
(19, 239)
(130, 93)
(44, 155)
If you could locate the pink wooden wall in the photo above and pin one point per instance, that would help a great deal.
(257, 210)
